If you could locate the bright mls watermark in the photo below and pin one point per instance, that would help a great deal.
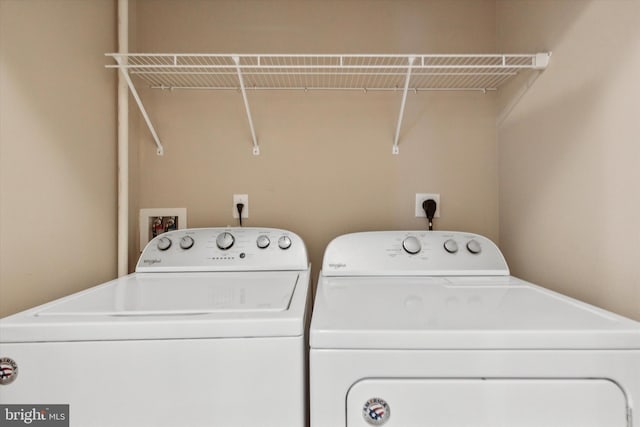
(34, 415)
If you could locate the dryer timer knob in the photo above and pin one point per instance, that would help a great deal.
(412, 245)
(225, 240)
(451, 246)
(474, 247)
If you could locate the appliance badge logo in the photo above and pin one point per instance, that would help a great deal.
(376, 411)
(8, 370)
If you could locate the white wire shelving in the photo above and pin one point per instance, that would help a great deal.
(361, 72)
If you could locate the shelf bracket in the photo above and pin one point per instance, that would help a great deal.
(256, 148)
(134, 92)
(396, 149)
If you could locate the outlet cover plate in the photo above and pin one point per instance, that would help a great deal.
(240, 198)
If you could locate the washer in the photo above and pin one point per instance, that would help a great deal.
(209, 331)
(429, 329)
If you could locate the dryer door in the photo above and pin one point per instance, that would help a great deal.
(488, 402)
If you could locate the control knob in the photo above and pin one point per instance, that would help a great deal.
(186, 242)
(263, 241)
(412, 245)
(284, 242)
(474, 247)
(451, 246)
(164, 243)
(225, 240)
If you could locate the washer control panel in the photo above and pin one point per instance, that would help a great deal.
(432, 253)
(224, 249)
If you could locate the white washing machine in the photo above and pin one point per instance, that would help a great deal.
(209, 331)
(429, 329)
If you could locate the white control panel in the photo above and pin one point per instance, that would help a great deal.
(413, 253)
(224, 249)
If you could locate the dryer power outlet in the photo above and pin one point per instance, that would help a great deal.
(420, 198)
(240, 198)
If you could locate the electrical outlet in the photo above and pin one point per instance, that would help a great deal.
(240, 198)
(421, 197)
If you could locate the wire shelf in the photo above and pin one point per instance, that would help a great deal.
(364, 72)
(326, 72)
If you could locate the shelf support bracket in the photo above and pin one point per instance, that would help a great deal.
(256, 148)
(396, 149)
(134, 92)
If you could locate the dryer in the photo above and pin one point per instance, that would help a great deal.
(209, 331)
(430, 329)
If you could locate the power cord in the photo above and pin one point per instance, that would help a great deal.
(239, 207)
(429, 207)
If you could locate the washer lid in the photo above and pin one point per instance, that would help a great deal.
(170, 305)
(167, 294)
(459, 313)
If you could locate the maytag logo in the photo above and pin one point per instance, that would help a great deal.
(337, 265)
(152, 261)
(34, 415)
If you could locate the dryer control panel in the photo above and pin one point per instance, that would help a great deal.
(224, 249)
(413, 253)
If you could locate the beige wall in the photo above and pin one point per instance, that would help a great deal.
(326, 166)
(569, 152)
(57, 149)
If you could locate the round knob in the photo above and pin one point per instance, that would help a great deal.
(284, 242)
(186, 242)
(451, 246)
(474, 247)
(412, 245)
(225, 240)
(164, 243)
(263, 241)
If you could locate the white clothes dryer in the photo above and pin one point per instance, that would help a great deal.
(209, 331)
(430, 329)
